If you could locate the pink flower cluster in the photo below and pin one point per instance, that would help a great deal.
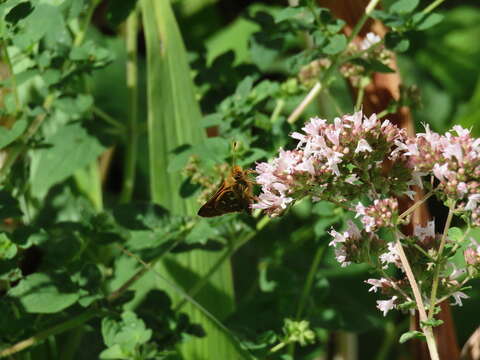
(381, 213)
(454, 160)
(336, 162)
(472, 255)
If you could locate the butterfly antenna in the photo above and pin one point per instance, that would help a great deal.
(235, 147)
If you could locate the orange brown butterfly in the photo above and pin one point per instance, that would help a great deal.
(235, 194)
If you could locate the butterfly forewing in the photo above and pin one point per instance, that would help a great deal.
(233, 195)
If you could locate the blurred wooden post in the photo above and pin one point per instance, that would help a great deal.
(378, 94)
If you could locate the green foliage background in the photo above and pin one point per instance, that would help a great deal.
(101, 254)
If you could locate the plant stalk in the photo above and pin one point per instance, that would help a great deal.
(427, 330)
(132, 87)
(436, 276)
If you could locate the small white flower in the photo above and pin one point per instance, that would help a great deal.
(462, 132)
(472, 202)
(370, 40)
(453, 150)
(360, 209)
(458, 296)
(386, 305)
(376, 284)
(341, 256)
(363, 146)
(462, 188)
(337, 237)
(441, 172)
(353, 231)
(391, 256)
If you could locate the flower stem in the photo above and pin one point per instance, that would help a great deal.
(361, 93)
(277, 110)
(57, 329)
(436, 276)
(432, 6)
(309, 282)
(427, 330)
(415, 206)
(278, 347)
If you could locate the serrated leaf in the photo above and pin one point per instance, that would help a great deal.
(71, 148)
(336, 44)
(44, 294)
(410, 335)
(404, 6)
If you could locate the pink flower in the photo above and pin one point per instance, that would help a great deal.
(472, 202)
(337, 237)
(391, 257)
(458, 296)
(377, 284)
(461, 131)
(386, 305)
(363, 146)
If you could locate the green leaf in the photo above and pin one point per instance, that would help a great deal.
(423, 22)
(336, 44)
(71, 148)
(8, 249)
(174, 120)
(44, 294)
(34, 27)
(411, 335)
(294, 13)
(124, 337)
(455, 234)
(212, 120)
(373, 65)
(432, 323)
(174, 114)
(404, 6)
(8, 136)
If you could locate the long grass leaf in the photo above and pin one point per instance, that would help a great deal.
(174, 120)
